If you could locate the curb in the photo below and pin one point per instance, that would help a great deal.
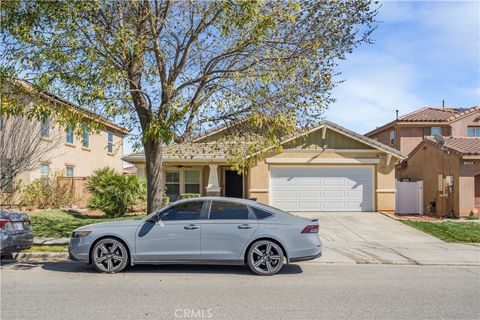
(38, 256)
(50, 241)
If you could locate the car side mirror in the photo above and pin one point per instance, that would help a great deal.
(154, 219)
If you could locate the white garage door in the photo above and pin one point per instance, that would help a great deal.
(322, 188)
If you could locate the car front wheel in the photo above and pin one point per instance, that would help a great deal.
(265, 258)
(109, 255)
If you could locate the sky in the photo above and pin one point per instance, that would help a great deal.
(423, 52)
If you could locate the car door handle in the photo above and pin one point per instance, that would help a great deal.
(244, 226)
(190, 227)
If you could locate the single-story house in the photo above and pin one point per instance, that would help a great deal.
(325, 168)
(450, 170)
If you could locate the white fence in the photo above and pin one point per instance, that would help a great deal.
(409, 197)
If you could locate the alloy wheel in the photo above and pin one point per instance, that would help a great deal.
(265, 257)
(109, 255)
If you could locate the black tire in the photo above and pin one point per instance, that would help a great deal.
(109, 255)
(265, 258)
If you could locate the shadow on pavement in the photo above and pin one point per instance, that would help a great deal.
(64, 266)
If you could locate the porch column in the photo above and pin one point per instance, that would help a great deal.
(213, 188)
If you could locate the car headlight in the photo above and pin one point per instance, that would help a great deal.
(80, 234)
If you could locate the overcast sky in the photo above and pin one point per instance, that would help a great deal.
(424, 51)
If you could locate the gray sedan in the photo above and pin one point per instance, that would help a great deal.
(209, 230)
(15, 232)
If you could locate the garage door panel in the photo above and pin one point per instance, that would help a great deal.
(322, 188)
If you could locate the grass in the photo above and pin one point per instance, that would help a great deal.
(48, 248)
(58, 224)
(468, 232)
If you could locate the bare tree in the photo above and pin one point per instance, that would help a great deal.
(23, 144)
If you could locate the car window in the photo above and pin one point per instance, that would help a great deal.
(261, 214)
(221, 210)
(183, 211)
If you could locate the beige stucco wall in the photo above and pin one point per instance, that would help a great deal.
(429, 162)
(459, 127)
(384, 184)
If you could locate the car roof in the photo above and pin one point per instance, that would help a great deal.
(225, 199)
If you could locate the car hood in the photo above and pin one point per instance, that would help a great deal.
(112, 224)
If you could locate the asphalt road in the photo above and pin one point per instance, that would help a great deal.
(67, 290)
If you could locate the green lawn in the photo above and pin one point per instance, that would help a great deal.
(57, 223)
(48, 248)
(449, 231)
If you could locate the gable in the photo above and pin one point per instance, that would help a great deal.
(333, 140)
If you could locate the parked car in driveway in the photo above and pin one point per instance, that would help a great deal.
(208, 230)
(15, 232)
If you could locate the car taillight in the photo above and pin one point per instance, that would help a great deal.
(4, 222)
(310, 229)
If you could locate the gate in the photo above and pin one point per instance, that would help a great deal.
(409, 197)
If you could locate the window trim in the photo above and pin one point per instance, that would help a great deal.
(45, 127)
(48, 172)
(85, 133)
(66, 171)
(109, 143)
(182, 177)
(474, 128)
(390, 139)
(69, 133)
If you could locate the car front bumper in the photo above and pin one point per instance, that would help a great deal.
(79, 249)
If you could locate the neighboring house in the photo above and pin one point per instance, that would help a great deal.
(73, 155)
(450, 171)
(328, 168)
(407, 131)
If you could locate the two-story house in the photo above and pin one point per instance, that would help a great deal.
(62, 149)
(406, 132)
(443, 152)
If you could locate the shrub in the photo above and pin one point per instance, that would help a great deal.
(165, 201)
(115, 194)
(190, 195)
(45, 193)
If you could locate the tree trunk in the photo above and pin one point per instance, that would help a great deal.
(155, 184)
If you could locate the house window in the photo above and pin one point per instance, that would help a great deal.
(473, 131)
(433, 131)
(69, 136)
(69, 171)
(192, 181)
(44, 170)
(110, 142)
(45, 126)
(182, 181)
(86, 137)
(392, 137)
(172, 184)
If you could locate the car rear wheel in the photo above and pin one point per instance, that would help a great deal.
(265, 258)
(109, 255)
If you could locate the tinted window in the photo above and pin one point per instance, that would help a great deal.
(261, 214)
(228, 210)
(184, 211)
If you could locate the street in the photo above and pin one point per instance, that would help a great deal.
(310, 290)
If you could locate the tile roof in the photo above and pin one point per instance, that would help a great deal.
(429, 114)
(437, 114)
(198, 151)
(95, 116)
(463, 145)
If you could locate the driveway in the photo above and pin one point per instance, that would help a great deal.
(370, 237)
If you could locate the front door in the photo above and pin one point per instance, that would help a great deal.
(227, 232)
(175, 237)
(233, 184)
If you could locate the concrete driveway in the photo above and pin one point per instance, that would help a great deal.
(369, 237)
